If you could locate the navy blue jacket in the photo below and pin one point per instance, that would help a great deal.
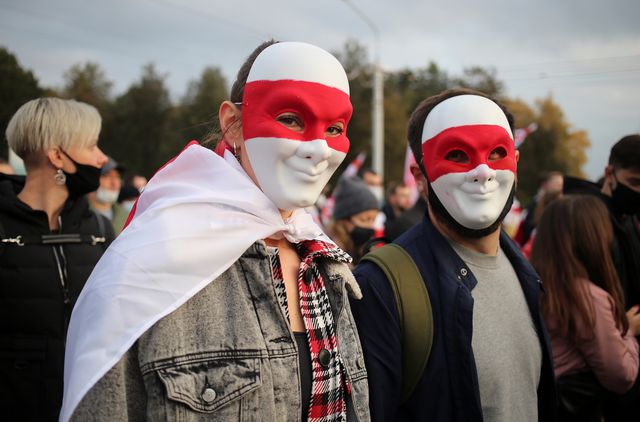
(448, 390)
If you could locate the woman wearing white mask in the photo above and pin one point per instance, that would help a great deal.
(229, 302)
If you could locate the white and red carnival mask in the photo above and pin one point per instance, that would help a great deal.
(295, 111)
(469, 156)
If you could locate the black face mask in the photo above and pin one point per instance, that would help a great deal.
(86, 178)
(625, 199)
(361, 235)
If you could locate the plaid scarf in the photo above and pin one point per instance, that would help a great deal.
(329, 383)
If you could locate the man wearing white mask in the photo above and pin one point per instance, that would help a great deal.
(105, 199)
(490, 358)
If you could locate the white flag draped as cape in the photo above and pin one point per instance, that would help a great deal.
(195, 218)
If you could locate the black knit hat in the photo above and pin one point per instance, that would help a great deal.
(352, 197)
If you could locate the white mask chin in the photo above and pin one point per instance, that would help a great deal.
(475, 199)
(107, 196)
(292, 173)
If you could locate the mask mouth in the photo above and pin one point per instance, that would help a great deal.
(307, 168)
(478, 191)
(441, 213)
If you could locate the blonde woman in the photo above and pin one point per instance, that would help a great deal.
(50, 242)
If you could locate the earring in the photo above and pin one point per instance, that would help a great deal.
(60, 177)
(235, 151)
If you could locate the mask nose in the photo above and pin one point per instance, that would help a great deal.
(317, 151)
(481, 174)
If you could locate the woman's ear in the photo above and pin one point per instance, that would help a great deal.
(230, 123)
(55, 157)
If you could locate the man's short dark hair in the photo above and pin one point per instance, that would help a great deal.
(419, 115)
(393, 186)
(626, 153)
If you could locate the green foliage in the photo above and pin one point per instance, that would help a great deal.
(197, 115)
(139, 133)
(554, 146)
(17, 86)
(88, 84)
(480, 79)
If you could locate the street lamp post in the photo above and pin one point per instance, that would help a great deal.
(377, 105)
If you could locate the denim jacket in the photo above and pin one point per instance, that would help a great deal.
(227, 354)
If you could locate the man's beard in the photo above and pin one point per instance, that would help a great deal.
(444, 217)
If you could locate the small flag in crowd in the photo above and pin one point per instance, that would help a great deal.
(354, 166)
(522, 133)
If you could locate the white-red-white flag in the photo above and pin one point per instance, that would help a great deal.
(198, 214)
(521, 134)
(355, 166)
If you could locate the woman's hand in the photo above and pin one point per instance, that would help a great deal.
(633, 315)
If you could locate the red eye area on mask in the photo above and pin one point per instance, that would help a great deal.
(298, 110)
(463, 148)
(457, 156)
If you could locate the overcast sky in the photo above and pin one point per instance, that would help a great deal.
(585, 53)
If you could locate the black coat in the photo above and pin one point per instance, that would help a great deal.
(449, 389)
(39, 284)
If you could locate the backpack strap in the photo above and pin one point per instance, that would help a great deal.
(414, 310)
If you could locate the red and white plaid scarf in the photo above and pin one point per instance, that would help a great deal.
(329, 382)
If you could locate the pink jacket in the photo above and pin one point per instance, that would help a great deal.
(610, 356)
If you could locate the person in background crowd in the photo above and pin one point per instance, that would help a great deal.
(5, 167)
(620, 192)
(229, 302)
(490, 359)
(591, 337)
(375, 185)
(138, 181)
(547, 198)
(621, 187)
(354, 215)
(105, 199)
(127, 197)
(373, 182)
(512, 220)
(410, 217)
(548, 181)
(398, 200)
(49, 243)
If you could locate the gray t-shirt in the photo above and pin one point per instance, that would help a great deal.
(505, 343)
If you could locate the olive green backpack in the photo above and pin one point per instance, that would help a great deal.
(414, 310)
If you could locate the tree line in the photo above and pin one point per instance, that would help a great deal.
(143, 127)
